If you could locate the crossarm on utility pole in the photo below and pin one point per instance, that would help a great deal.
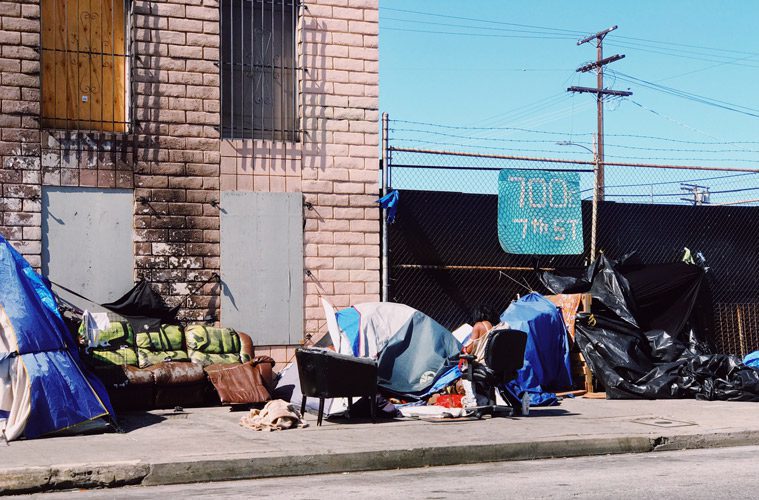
(593, 90)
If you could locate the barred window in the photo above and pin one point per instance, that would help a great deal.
(258, 69)
(84, 63)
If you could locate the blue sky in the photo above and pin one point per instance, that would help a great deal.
(509, 64)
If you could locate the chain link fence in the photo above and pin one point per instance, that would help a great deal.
(444, 256)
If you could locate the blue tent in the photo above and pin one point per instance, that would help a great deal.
(546, 357)
(43, 386)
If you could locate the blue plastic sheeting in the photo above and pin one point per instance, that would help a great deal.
(62, 393)
(546, 356)
(349, 321)
(446, 379)
(752, 360)
(390, 202)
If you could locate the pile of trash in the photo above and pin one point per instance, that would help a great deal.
(649, 332)
(419, 369)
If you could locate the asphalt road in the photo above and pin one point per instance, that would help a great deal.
(691, 474)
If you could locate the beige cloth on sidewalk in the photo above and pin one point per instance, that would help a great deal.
(276, 415)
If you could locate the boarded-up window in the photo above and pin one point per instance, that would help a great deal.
(84, 65)
(262, 265)
(87, 242)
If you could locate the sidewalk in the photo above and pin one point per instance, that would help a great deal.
(207, 444)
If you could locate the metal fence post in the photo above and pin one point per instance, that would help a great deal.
(383, 211)
(594, 214)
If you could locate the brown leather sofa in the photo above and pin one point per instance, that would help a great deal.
(170, 383)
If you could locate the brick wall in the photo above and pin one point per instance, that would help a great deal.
(20, 174)
(177, 163)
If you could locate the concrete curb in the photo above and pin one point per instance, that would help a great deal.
(258, 467)
(109, 475)
(712, 440)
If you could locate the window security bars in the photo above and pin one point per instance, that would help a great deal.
(84, 64)
(258, 69)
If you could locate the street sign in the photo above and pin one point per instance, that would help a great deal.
(539, 212)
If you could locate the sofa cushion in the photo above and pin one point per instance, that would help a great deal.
(138, 376)
(239, 383)
(173, 372)
(163, 345)
(209, 345)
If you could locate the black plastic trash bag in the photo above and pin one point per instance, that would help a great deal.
(649, 333)
(144, 308)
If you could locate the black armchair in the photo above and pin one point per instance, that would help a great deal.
(327, 374)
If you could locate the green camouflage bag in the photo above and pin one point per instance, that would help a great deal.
(118, 334)
(115, 345)
(210, 345)
(124, 356)
(160, 346)
(147, 358)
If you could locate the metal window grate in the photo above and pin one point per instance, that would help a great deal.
(85, 64)
(259, 69)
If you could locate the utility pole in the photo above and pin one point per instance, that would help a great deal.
(600, 93)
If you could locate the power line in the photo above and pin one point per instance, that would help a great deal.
(681, 150)
(490, 69)
(459, 25)
(535, 131)
(509, 117)
(485, 35)
(630, 40)
(665, 195)
(520, 111)
(546, 115)
(682, 92)
(689, 96)
(664, 183)
(670, 43)
(680, 141)
(457, 136)
(670, 50)
(490, 21)
(464, 127)
(550, 141)
(495, 148)
(563, 151)
(732, 62)
(669, 118)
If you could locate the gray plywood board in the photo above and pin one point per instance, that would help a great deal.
(262, 265)
(87, 242)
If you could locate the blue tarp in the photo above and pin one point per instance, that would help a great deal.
(390, 202)
(752, 360)
(62, 392)
(546, 357)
